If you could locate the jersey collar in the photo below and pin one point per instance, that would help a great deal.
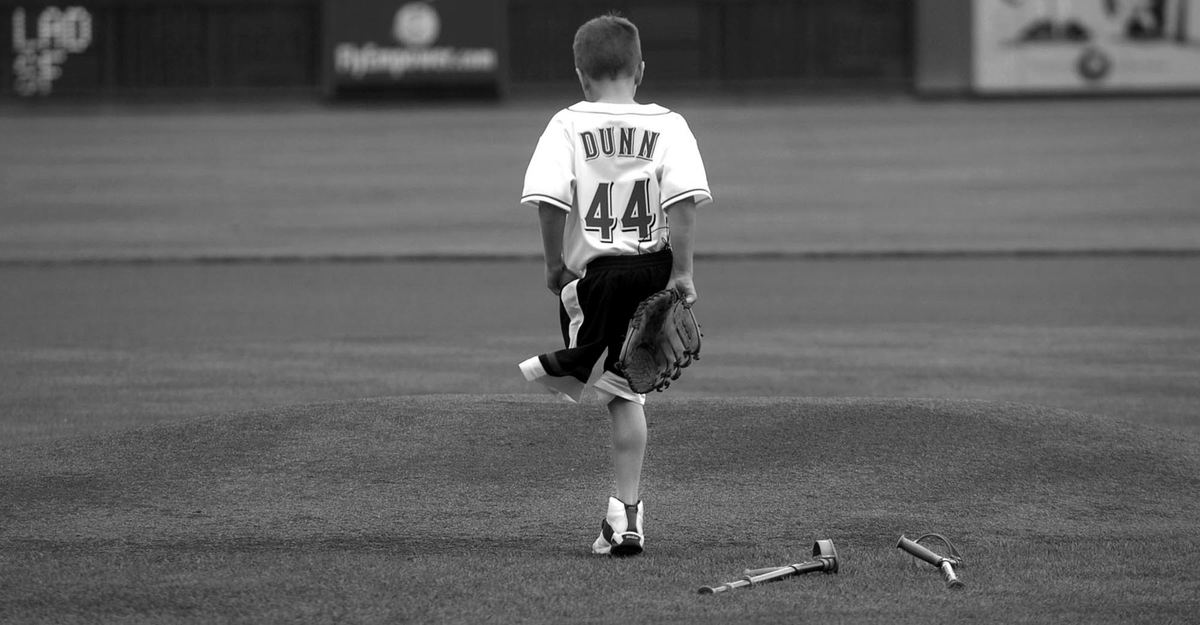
(584, 106)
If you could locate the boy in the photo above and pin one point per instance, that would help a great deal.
(605, 176)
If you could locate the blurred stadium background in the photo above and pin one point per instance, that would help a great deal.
(332, 47)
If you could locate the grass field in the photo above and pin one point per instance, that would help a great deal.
(979, 319)
(89, 348)
(479, 508)
(790, 175)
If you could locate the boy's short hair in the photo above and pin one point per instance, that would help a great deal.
(607, 47)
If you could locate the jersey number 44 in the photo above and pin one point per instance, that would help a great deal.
(637, 215)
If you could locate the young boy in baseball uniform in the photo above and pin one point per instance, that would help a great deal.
(616, 185)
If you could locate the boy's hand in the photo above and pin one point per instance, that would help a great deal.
(558, 277)
(686, 288)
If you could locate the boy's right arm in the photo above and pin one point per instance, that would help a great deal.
(553, 221)
(682, 217)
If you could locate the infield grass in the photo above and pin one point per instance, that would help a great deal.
(453, 508)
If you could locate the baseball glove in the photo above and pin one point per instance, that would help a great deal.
(663, 338)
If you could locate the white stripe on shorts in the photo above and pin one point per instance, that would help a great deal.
(570, 300)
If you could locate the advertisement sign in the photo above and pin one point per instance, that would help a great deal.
(1086, 45)
(51, 49)
(382, 43)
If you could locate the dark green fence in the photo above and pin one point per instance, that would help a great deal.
(723, 42)
(112, 47)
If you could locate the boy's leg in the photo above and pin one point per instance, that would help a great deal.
(621, 532)
(629, 446)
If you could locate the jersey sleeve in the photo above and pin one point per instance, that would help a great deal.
(550, 177)
(683, 174)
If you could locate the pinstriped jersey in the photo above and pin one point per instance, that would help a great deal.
(615, 169)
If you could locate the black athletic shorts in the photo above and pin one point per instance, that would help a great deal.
(595, 310)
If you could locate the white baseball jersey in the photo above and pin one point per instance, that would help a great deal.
(615, 168)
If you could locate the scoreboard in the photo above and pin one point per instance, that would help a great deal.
(89, 47)
(52, 49)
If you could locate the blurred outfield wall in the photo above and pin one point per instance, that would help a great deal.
(117, 47)
(57, 48)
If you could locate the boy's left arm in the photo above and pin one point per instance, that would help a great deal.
(682, 216)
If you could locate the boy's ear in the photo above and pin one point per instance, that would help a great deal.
(639, 73)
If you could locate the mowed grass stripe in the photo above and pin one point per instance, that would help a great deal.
(456, 508)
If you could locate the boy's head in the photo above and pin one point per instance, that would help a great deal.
(608, 48)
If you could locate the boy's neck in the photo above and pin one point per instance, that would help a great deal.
(618, 91)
